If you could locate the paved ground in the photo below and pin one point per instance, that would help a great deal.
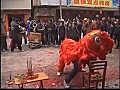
(44, 59)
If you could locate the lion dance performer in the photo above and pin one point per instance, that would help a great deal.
(96, 44)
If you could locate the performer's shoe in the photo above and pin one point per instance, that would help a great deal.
(58, 73)
(21, 50)
(66, 85)
(83, 70)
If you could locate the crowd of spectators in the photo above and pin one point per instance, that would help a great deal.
(53, 32)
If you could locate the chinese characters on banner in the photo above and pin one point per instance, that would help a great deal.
(92, 3)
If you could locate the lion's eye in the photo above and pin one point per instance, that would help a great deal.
(97, 40)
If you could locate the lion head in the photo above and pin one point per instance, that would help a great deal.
(98, 43)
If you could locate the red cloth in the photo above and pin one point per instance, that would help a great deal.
(94, 44)
(12, 44)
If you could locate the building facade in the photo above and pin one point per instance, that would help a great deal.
(47, 9)
(15, 8)
(72, 8)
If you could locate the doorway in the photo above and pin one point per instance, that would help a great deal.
(18, 17)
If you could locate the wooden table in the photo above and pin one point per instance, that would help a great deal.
(41, 76)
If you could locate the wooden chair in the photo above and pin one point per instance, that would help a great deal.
(97, 72)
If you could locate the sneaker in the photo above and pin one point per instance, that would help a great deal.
(21, 51)
(6, 49)
(26, 44)
(83, 70)
(66, 85)
(12, 50)
(58, 73)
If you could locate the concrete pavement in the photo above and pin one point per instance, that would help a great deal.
(44, 59)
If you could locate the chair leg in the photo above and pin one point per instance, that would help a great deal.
(20, 85)
(40, 84)
(89, 81)
(96, 85)
(103, 84)
(10, 86)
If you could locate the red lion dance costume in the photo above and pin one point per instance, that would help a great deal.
(96, 44)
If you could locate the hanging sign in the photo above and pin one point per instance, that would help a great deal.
(92, 3)
(115, 3)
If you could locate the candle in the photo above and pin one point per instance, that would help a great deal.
(10, 76)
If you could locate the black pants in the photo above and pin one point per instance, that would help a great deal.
(61, 38)
(49, 38)
(46, 39)
(42, 38)
(117, 42)
(56, 38)
(14, 43)
(73, 72)
(3, 43)
(53, 37)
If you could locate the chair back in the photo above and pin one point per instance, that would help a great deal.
(98, 66)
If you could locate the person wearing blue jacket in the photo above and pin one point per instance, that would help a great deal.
(28, 25)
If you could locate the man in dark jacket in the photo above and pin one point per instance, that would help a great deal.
(72, 31)
(61, 32)
(79, 27)
(49, 28)
(46, 34)
(104, 25)
(41, 29)
(16, 36)
(117, 34)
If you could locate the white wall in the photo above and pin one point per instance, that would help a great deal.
(15, 4)
(52, 2)
(45, 12)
